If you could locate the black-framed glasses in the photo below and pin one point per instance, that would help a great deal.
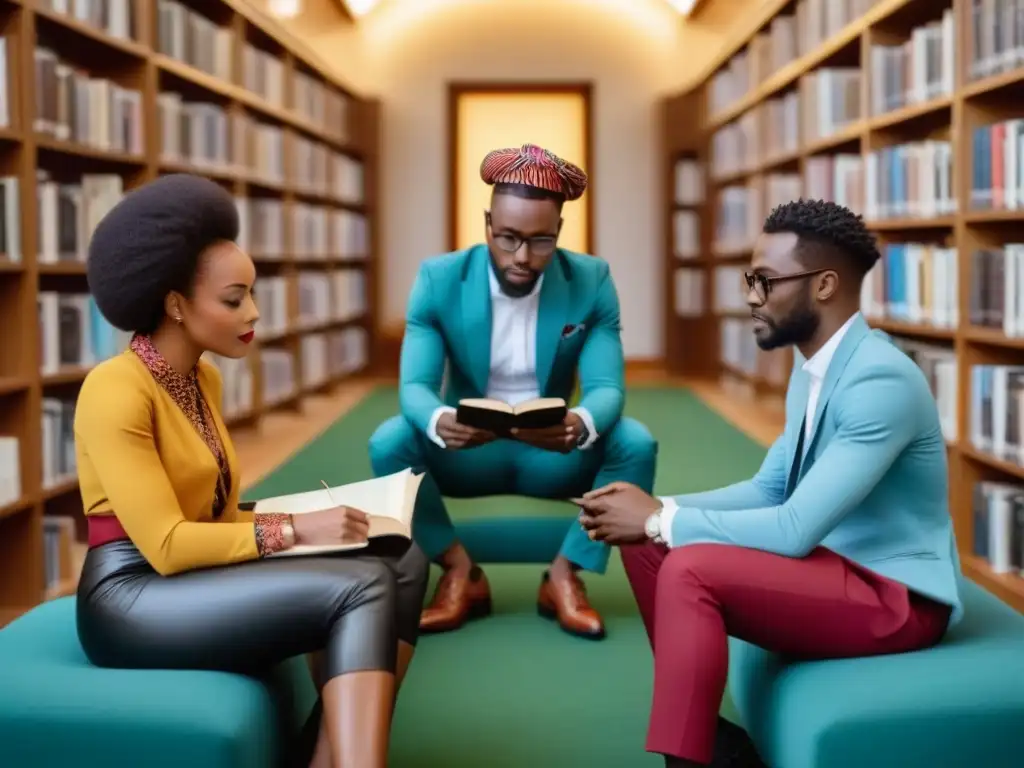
(761, 285)
(541, 245)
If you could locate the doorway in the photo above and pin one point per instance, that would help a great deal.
(487, 116)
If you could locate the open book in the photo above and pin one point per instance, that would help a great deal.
(389, 502)
(498, 417)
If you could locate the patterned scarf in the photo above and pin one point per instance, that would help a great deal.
(185, 392)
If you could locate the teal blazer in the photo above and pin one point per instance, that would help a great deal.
(872, 484)
(448, 335)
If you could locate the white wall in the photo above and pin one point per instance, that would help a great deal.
(406, 52)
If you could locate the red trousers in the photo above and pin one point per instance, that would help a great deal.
(822, 606)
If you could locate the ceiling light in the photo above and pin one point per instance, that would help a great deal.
(360, 7)
(285, 9)
(685, 7)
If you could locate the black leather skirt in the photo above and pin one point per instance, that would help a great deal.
(251, 616)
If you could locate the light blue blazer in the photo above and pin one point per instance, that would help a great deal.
(448, 335)
(872, 485)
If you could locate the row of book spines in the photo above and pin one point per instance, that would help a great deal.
(188, 36)
(816, 21)
(732, 83)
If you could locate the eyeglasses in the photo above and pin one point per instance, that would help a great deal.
(541, 245)
(761, 285)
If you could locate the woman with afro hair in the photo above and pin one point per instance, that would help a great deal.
(176, 575)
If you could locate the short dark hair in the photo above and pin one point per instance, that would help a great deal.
(149, 245)
(528, 192)
(827, 224)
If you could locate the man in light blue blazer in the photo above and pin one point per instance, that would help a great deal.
(841, 545)
(512, 320)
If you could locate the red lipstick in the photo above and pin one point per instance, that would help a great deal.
(247, 337)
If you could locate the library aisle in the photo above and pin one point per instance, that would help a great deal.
(125, 91)
(907, 111)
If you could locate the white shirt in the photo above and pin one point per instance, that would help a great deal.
(816, 368)
(513, 374)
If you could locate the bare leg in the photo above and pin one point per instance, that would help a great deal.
(405, 654)
(357, 715)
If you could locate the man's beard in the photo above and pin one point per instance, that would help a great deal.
(795, 328)
(515, 290)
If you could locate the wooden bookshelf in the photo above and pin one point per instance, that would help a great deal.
(798, 108)
(84, 102)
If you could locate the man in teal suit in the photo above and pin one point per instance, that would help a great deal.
(515, 319)
(840, 546)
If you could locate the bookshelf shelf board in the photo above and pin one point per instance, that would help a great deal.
(90, 111)
(817, 102)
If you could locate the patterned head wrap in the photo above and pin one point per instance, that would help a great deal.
(535, 167)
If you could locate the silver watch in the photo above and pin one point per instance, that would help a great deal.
(652, 527)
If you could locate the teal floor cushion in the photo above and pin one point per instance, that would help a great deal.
(58, 711)
(958, 705)
(511, 529)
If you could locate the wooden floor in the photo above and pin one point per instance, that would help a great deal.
(281, 435)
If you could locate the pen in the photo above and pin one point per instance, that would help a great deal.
(326, 488)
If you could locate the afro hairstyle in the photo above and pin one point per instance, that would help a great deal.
(149, 245)
(833, 227)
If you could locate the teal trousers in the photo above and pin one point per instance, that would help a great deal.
(505, 467)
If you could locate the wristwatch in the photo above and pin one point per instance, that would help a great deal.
(652, 527)
(584, 434)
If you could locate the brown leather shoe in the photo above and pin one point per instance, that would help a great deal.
(564, 598)
(457, 600)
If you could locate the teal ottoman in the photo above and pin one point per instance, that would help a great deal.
(512, 529)
(958, 705)
(57, 710)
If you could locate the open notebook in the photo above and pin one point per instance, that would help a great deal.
(389, 501)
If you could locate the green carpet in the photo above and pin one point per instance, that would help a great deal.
(513, 691)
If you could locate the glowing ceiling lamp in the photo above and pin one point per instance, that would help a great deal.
(361, 7)
(685, 7)
(285, 9)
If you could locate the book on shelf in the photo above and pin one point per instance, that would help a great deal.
(730, 290)
(938, 364)
(10, 220)
(689, 182)
(191, 38)
(389, 502)
(997, 282)
(69, 213)
(91, 111)
(277, 370)
(59, 538)
(997, 154)
(913, 283)
(996, 411)
(57, 429)
(781, 126)
(917, 70)
(10, 469)
(500, 417)
(830, 100)
(988, 51)
(686, 234)
(835, 178)
(998, 525)
(689, 292)
(913, 180)
(74, 333)
(739, 218)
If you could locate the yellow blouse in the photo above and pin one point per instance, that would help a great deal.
(141, 459)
